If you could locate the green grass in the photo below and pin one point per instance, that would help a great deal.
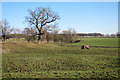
(106, 42)
(47, 60)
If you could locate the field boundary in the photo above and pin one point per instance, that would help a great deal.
(92, 46)
(104, 47)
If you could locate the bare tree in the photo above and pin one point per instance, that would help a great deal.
(70, 35)
(54, 30)
(41, 17)
(29, 31)
(29, 34)
(5, 29)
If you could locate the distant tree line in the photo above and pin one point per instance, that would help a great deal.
(90, 34)
(97, 35)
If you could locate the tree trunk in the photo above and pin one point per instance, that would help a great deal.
(39, 39)
(4, 37)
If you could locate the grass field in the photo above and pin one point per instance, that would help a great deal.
(106, 42)
(50, 60)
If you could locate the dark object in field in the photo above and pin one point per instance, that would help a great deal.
(85, 46)
(62, 45)
(77, 41)
(55, 72)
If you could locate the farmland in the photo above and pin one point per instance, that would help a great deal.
(51, 60)
(106, 42)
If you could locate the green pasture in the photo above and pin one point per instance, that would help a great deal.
(106, 42)
(50, 60)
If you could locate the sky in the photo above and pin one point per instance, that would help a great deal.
(84, 17)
